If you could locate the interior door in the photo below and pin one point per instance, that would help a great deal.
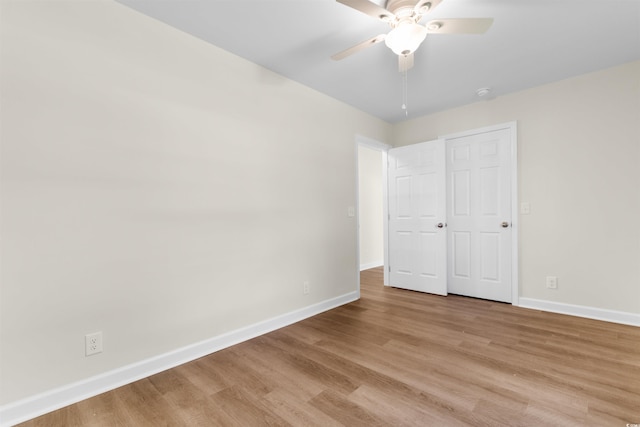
(479, 215)
(417, 215)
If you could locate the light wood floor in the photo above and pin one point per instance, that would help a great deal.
(395, 358)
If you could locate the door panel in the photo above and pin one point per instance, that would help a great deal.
(490, 256)
(417, 204)
(403, 253)
(461, 244)
(489, 191)
(461, 193)
(404, 193)
(428, 183)
(429, 254)
(479, 195)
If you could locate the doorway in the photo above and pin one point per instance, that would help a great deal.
(371, 197)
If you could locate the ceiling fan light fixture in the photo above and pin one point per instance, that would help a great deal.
(405, 38)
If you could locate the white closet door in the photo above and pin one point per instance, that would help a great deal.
(417, 215)
(479, 215)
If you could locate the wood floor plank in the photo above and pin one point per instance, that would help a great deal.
(379, 379)
(297, 411)
(143, 404)
(394, 408)
(394, 358)
(243, 409)
(341, 409)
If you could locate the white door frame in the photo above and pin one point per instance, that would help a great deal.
(383, 148)
(513, 128)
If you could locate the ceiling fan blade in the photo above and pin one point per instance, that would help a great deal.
(425, 6)
(353, 49)
(405, 62)
(369, 8)
(459, 26)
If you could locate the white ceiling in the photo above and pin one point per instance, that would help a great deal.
(531, 42)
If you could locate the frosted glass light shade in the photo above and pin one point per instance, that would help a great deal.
(405, 38)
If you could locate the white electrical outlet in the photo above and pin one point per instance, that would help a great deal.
(93, 343)
(552, 282)
(306, 287)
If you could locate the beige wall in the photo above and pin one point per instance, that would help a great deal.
(579, 168)
(164, 191)
(370, 204)
(157, 189)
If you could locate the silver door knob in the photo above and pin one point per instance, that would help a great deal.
(504, 224)
(441, 225)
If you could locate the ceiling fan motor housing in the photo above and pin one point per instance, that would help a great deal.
(402, 8)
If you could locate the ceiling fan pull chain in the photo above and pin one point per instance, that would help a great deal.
(404, 93)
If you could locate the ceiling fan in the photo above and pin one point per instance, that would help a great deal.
(406, 33)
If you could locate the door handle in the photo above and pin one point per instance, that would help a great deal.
(504, 224)
(441, 225)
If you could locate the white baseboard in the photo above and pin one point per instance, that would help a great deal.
(31, 407)
(369, 265)
(622, 317)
